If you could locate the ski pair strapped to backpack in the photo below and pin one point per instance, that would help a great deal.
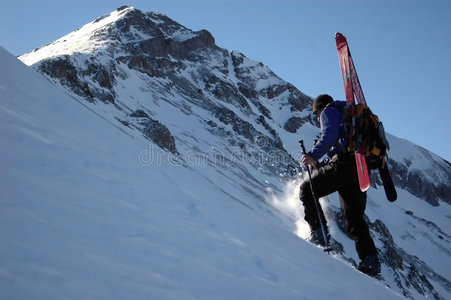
(366, 137)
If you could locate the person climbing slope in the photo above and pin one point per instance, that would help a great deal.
(336, 173)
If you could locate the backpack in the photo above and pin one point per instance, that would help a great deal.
(363, 129)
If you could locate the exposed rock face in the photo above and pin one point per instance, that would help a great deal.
(294, 123)
(63, 69)
(154, 130)
(407, 271)
(430, 187)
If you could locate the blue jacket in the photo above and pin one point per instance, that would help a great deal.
(332, 132)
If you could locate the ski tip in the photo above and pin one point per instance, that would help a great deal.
(364, 186)
(392, 196)
(338, 35)
(340, 39)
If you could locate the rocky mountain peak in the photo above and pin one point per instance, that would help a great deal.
(156, 34)
(129, 29)
(135, 60)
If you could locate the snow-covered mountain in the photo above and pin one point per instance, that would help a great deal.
(83, 218)
(156, 163)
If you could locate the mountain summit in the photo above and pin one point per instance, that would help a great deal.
(125, 29)
(139, 62)
(235, 124)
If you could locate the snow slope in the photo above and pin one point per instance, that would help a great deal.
(81, 217)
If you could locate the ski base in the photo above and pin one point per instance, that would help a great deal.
(389, 187)
(362, 171)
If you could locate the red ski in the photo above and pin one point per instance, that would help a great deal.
(354, 95)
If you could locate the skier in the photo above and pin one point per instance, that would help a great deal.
(337, 173)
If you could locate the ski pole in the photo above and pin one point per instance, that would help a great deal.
(323, 230)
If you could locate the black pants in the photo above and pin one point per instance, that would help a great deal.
(341, 176)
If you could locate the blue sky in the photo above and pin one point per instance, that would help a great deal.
(401, 48)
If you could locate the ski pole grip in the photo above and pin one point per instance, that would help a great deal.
(302, 146)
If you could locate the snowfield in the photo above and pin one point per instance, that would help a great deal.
(81, 217)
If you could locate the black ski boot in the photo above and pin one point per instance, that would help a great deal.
(317, 237)
(370, 265)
